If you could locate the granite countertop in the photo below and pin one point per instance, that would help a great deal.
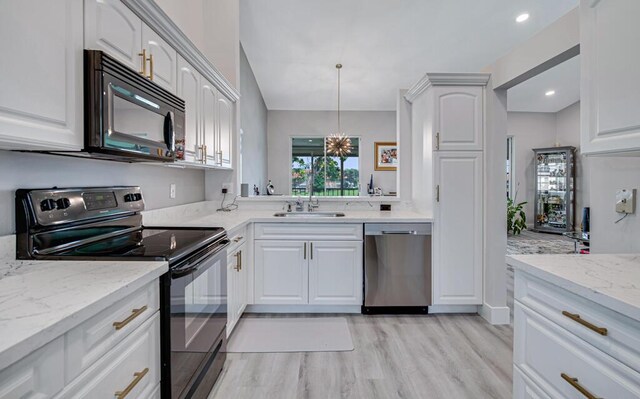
(612, 281)
(41, 300)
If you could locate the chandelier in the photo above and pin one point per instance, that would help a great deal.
(339, 144)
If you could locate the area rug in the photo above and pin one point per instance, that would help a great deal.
(317, 334)
(527, 247)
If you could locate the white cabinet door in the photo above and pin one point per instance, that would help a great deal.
(610, 78)
(243, 281)
(112, 27)
(41, 104)
(209, 100)
(232, 289)
(458, 118)
(335, 272)
(281, 272)
(189, 90)
(457, 258)
(162, 59)
(225, 131)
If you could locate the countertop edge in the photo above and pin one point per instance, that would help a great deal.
(624, 308)
(37, 340)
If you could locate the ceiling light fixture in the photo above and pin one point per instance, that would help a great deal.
(550, 93)
(339, 144)
(522, 17)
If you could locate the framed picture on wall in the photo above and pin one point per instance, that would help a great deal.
(386, 155)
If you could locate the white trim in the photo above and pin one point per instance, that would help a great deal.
(436, 309)
(303, 309)
(446, 79)
(495, 315)
(152, 15)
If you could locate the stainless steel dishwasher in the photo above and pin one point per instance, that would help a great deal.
(397, 268)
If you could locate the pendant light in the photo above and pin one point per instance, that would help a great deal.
(339, 144)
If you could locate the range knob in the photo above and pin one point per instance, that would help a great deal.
(47, 205)
(63, 203)
(129, 197)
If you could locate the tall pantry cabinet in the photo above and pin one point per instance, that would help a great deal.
(448, 141)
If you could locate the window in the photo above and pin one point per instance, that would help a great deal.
(332, 176)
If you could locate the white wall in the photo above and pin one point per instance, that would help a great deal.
(370, 126)
(24, 170)
(607, 175)
(253, 122)
(530, 130)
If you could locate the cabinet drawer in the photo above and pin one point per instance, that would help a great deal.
(89, 341)
(308, 231)
(133, 364)
(623, 334)
(237, 238)
(38, 375)
(545, 352)
(525, 388)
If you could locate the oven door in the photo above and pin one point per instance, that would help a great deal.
(136, 122)
(197, 317)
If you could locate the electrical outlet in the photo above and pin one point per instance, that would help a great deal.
(625, 200)
(172, 190)
(227, 186)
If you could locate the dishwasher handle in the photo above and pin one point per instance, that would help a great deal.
(408, 232)
(407, 229)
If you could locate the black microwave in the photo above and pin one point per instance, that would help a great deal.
(127, 116)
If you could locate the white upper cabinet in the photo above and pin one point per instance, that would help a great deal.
(188, 88)
(111, 27)
(162, 59)
(225, 131)
(41, 75)
(209, 102)
(457, 256)
(458, 118)
(610, 79)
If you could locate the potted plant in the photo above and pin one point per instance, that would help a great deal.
(516, 218)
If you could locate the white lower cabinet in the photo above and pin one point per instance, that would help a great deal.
(117, 350)
(237, 285)
(335, 272)
(315, 271)
(553, 361)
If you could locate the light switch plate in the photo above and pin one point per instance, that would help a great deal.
(172, 190)
(626, 200)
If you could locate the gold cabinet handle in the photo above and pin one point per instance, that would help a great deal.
(143, 54)
(438, 193)
(311, 251)
(150, 59)
(136, 379)
(574, 383)
(134, 313)
(438, 141)
(576, 317)
(240, 260)
(305, 251)
(237, 267)
(238, 239)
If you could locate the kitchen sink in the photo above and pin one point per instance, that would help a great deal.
(309, 214)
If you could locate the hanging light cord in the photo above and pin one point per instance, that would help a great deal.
(338, 67)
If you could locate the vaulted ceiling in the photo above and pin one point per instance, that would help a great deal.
(384, 45)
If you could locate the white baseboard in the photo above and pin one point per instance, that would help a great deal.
(302, 309)
(495, 315)
(435, 309)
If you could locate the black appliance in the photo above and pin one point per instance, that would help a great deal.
(105, 223)
(128, 117)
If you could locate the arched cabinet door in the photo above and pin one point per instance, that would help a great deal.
(225, 131)
(189, 90)
(458, 118)
(162, 67)
(209, 97)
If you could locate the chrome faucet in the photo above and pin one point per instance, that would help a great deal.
(311, 206)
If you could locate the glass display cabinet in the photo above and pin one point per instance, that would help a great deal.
(554, 190)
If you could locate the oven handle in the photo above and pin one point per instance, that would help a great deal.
(193, 266)
(169, 133)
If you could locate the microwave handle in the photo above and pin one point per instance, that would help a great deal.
(169, 134)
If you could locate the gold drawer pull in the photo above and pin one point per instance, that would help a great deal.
(238, 239)
(137, 377)
(134, 313)
(574, 383)
(576, 317)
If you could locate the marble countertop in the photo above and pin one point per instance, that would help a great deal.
(612, 281)
(235, 219)
(41, 300)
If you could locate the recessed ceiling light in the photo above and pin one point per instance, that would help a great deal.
(522, 17)
(550, 93)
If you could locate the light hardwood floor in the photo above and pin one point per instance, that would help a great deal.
(422, 357)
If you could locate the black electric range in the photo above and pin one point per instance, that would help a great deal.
(101, 223)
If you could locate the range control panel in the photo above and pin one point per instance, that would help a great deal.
(55, 206)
